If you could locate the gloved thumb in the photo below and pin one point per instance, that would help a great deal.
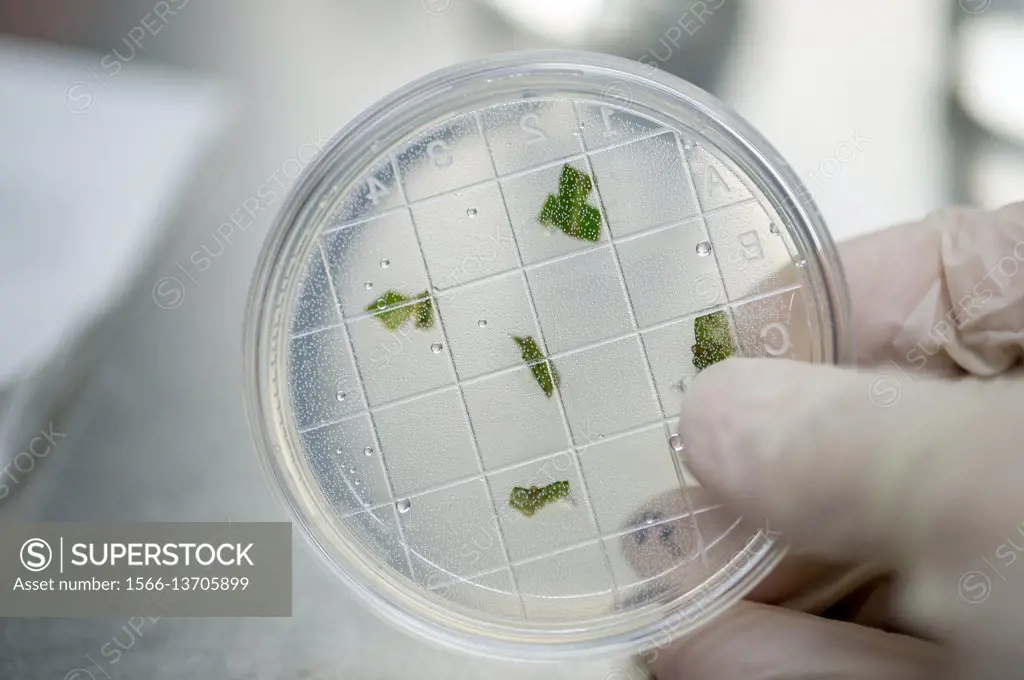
(860, 465)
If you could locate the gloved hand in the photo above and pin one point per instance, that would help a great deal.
(914, 460)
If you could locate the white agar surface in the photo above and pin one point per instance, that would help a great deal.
(437, 425)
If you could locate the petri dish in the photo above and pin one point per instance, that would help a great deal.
(504, 276)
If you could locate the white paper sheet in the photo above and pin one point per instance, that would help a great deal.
(91, 164)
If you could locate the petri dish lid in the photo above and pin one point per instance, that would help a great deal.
(472, 324)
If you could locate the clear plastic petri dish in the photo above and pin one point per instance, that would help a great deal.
(470, 330)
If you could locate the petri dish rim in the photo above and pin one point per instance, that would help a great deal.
(294, 233)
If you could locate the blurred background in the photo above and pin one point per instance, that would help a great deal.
(133, 133)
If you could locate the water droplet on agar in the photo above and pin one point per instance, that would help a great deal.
(436, 348)
(356, 483)
(801, 263)
(403, 505)
(773, 228)
(676, 442)
(689, 146)
(600, 436)
(704, 248)
(482, 323)
(340, 396)
(649, 519)
(368, 285)
(385, 263)
(351, 470)
(471, 212)
(368, 451)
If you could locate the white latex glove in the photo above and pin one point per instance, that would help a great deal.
(914, 461)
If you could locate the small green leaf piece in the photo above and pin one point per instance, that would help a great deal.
(424, 311)
(551, 213)
(543, 370)
(530, 500)
(568, 210)
(390, 310)
(713, 340)
(588, 227)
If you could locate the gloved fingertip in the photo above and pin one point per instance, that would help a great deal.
(727, 411)
(758, 642)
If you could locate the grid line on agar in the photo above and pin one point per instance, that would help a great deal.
(632, 316)
(400, 184)
(599, 540)
(547, 360)
(462, 393)
(629, 298)
(612, 241)
(495, 178)
(718, 539)
(331, 327)
(678, 464)
(369, 415)
(505, 468)
(558, 355)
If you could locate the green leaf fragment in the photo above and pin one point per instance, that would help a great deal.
(424, 311)
(713, 340)
(568, 209)
(543, 370)
(394, 309)
(530, 500)
(391, 309)
(574, 183)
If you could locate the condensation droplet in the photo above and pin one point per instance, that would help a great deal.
(338, 451)
(801, 263)
(368, 285)
(368, 451)
(403, 505)
(676, 442)
(356, 483)
(436, 348)
(774, 228)
(704, 248)
(340, 395)
(649, 519)
(689, 145)
(351, 470)
(482, 323)
(471, 212)
(385, 263)
(600, 436)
